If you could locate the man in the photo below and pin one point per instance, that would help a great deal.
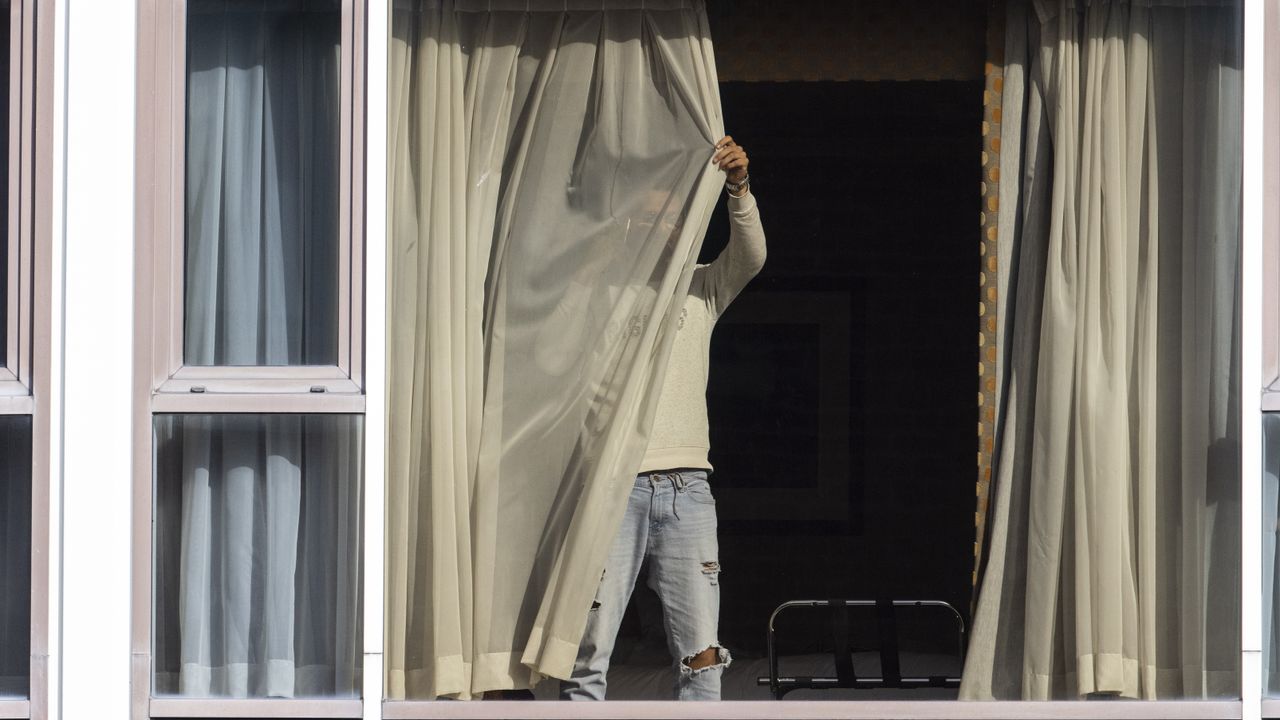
(670, 520)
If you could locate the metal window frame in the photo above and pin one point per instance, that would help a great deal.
(819, 710)
(225, 388)
(1249, 707)
(163, 384)
(1271, 212)
(25, 377)
(16, 371)
(373, 707)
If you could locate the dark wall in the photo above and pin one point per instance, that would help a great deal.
(842, 393)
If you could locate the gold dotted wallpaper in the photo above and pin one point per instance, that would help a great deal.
(769, 40)
(988, 278)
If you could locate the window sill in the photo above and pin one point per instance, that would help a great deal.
(818, 710)
(256, 708)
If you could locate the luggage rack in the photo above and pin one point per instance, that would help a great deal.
(887, 631)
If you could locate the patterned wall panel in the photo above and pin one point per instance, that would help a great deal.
(770, 40)
(989, 245)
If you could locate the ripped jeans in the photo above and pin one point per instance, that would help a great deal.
(670, 525)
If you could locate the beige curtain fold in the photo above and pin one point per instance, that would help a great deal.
(1114, 558)
(550, 186)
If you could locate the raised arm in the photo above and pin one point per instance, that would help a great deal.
(744, 256)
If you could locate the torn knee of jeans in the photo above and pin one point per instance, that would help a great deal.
(711, 570)
(713, 657)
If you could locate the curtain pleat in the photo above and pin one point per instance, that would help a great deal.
(550, 188)
(1114, 554)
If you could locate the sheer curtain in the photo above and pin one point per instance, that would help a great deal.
(550, 185)
(1114, 558)
(262, 182)
(258, 555)
(15, 555)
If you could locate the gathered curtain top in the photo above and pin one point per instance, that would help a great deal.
(546, 5)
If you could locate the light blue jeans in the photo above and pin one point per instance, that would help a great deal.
(670, 525)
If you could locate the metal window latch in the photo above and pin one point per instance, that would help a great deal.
(318, 388)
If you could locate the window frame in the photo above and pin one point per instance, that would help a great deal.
(15, 372)
(1261, 326)
(178, 398)
(1249, 706)
(1270, 213)
(242, 388)
(25, 376)
(161, 382)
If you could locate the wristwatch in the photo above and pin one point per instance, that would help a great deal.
(738, 189)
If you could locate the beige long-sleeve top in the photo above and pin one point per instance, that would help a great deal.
(680, 437)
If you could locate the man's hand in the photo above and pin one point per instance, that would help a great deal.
(732, 159)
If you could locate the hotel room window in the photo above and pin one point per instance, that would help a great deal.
(24, 354)
(251, 304)
(543, 212)
(26, 86)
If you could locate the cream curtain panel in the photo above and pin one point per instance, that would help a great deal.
(1114, 559)
(550, 185)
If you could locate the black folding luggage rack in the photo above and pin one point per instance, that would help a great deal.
(887, 631)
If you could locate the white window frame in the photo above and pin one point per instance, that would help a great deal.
(1249, 707)
(1260, 341)
(235, 388)
(163, 384)
(25, 375)
(15, 372)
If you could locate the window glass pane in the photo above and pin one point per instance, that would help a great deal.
(839, 383)
(257, 560)
(1270, 536)
(15, 554)
(262, 182)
